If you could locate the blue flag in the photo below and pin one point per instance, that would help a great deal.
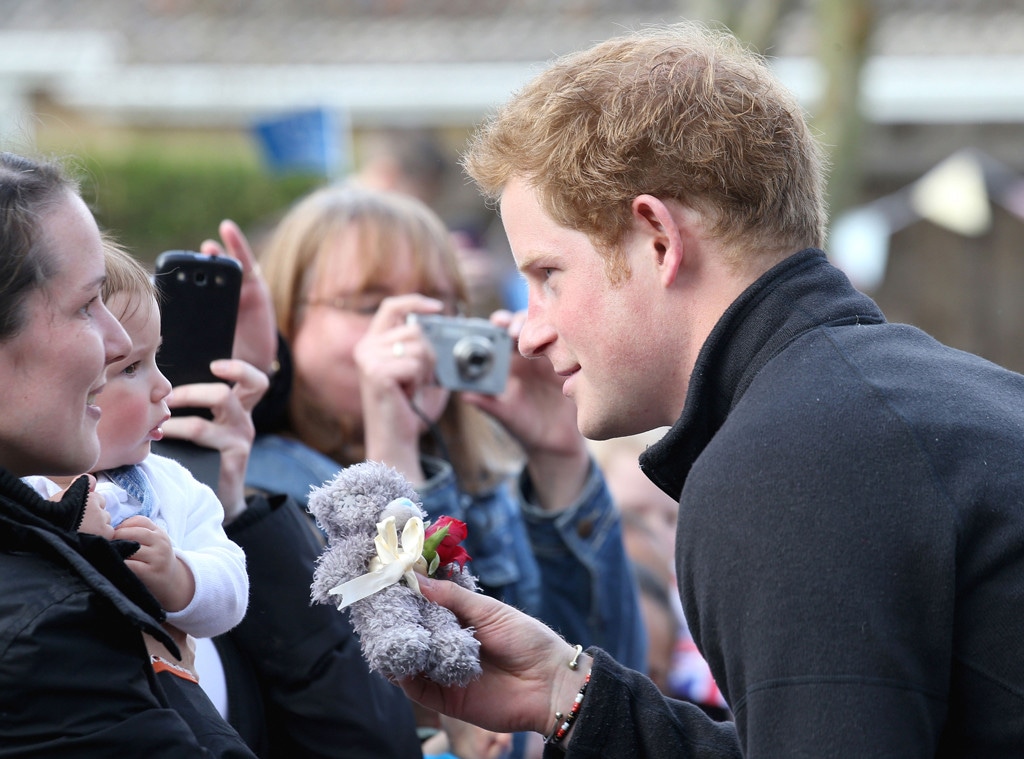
(302, 141)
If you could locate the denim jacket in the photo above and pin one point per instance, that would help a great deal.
(568, 569)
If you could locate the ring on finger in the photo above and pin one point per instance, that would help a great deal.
(398, 349)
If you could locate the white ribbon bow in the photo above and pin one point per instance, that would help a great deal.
(393, 561)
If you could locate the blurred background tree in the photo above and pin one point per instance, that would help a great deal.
(153, 200)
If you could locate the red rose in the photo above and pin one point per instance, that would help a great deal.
(442, 540)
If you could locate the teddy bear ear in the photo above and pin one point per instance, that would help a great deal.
(402, 509)
(354, 497)
(326, 508)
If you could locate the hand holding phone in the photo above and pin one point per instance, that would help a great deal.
(198, 310)
(198, 297)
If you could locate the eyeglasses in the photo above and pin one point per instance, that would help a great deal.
(367, 303)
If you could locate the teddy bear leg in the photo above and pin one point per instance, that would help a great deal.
(390, 626)
(454, 652)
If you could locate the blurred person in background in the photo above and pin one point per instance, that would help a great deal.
(416, 162)
(346, 267)
(461, 740)
(407, 161)
(661, 622)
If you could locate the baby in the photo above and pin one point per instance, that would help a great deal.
(185, 558)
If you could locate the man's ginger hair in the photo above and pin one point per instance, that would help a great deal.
(681, 112)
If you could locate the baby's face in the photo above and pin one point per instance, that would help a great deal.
(133, 401)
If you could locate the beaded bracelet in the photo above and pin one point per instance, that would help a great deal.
(562, 727)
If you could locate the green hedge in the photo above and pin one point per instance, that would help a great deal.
(152, 202)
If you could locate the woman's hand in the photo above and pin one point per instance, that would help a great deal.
(231, 430)
(396, 378)
(543, 421)
(95, 517)
(526, 677)
(256, 328)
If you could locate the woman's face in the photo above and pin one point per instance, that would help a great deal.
(52, 370)
(325, 337)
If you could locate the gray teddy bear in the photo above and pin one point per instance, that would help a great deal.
(401, 633)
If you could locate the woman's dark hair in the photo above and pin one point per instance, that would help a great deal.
(28, 189)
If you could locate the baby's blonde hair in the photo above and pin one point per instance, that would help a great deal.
(125, 275)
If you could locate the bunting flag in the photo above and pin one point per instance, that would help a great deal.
(310, 141)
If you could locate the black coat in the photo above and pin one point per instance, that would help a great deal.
(850, 546)
(75, 676)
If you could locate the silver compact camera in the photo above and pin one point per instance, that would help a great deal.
(472, 353)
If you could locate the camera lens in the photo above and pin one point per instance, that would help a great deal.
(474, 357)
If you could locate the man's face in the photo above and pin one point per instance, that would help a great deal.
(601, 337)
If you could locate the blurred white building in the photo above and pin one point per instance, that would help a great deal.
(202, 64)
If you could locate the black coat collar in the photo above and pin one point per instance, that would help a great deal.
(796, 295)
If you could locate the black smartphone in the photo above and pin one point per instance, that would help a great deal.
(198, 297)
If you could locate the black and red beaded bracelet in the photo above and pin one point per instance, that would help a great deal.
(562, 724)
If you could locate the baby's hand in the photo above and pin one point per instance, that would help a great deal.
(155, 563)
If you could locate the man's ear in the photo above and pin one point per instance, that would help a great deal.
(661, 232)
